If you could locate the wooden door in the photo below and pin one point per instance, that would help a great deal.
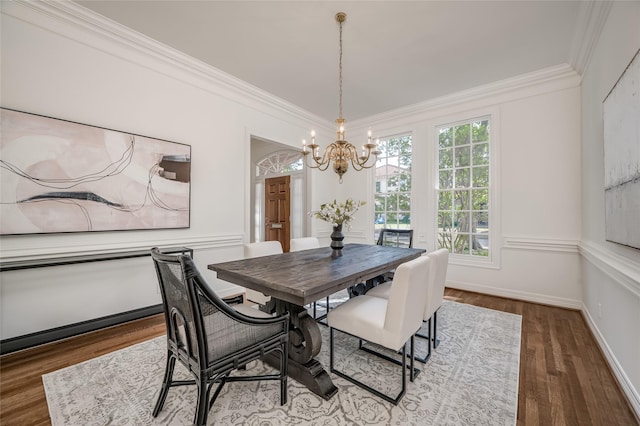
(277, 210)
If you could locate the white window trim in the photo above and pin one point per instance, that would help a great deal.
(493, 261)
(395, 133)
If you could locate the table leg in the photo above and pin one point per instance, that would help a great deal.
(305, 342)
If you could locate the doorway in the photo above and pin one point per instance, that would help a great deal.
(277, 208)
(273, 160)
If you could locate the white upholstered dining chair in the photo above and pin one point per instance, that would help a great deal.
(259, 249)
(435, 283)
(303, 243)
(390, 322)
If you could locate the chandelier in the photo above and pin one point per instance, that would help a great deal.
(340, 153)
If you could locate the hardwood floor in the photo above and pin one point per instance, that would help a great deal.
(564, 379)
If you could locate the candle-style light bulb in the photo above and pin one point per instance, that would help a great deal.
(304, 145)
(313, 136)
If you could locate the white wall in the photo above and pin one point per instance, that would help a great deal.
(536, 142)
(610, 272)
(71, 64)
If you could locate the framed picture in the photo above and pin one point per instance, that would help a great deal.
(621, 110)
(60, 176)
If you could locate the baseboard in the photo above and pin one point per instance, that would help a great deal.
(518, 295)
(47, 336)
(623, 380)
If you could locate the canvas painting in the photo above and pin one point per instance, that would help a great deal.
(60, 176)
(621, 111)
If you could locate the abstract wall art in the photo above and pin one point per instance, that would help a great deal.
(61, 176)
(621, 111)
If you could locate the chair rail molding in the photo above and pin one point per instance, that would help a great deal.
(60, 252)
(540, 244)
(619, 268)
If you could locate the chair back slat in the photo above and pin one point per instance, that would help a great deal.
(395, 237)
(184, 326)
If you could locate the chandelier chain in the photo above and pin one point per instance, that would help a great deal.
(340, 153)
(340, 74)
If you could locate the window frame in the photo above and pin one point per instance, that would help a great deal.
(493, 260)
(410, 193)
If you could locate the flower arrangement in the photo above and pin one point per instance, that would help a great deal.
(338, 213)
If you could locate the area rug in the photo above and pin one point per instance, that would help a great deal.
(470, 379)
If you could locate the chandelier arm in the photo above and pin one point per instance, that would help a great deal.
(360, 163)
(355, 160)
(320, 164)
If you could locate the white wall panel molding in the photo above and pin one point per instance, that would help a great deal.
(539, 244)
(61, 252)
(517, 294)
(82, 25)
(614, 364)
(622, 270)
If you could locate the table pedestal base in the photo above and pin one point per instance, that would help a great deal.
(312, 375)
(305, 341)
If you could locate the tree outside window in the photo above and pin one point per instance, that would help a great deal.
(393, 184)
(463, 187)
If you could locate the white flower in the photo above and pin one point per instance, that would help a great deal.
(338, 213)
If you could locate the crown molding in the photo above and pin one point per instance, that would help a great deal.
(530, 84)
(82, 25)
(591, 19)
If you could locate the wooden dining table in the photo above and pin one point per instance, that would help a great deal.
(296, 279)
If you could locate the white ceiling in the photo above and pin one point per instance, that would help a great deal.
(396, 53)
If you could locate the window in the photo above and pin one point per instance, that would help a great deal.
(463, 187)
(393, 184)
(278, 163)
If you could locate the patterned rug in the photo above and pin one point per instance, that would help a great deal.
(470, 379)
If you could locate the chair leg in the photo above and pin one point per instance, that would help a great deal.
(284, 355)
(436, 342)
(413, 357)
(166, 383)
(362, 346)
(393, 400)
(202, 405)
(428, 337)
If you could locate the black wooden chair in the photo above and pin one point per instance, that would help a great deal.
(209, 337)
(395, 237)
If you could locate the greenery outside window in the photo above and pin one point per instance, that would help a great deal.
(392, 189)
(464, 187)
